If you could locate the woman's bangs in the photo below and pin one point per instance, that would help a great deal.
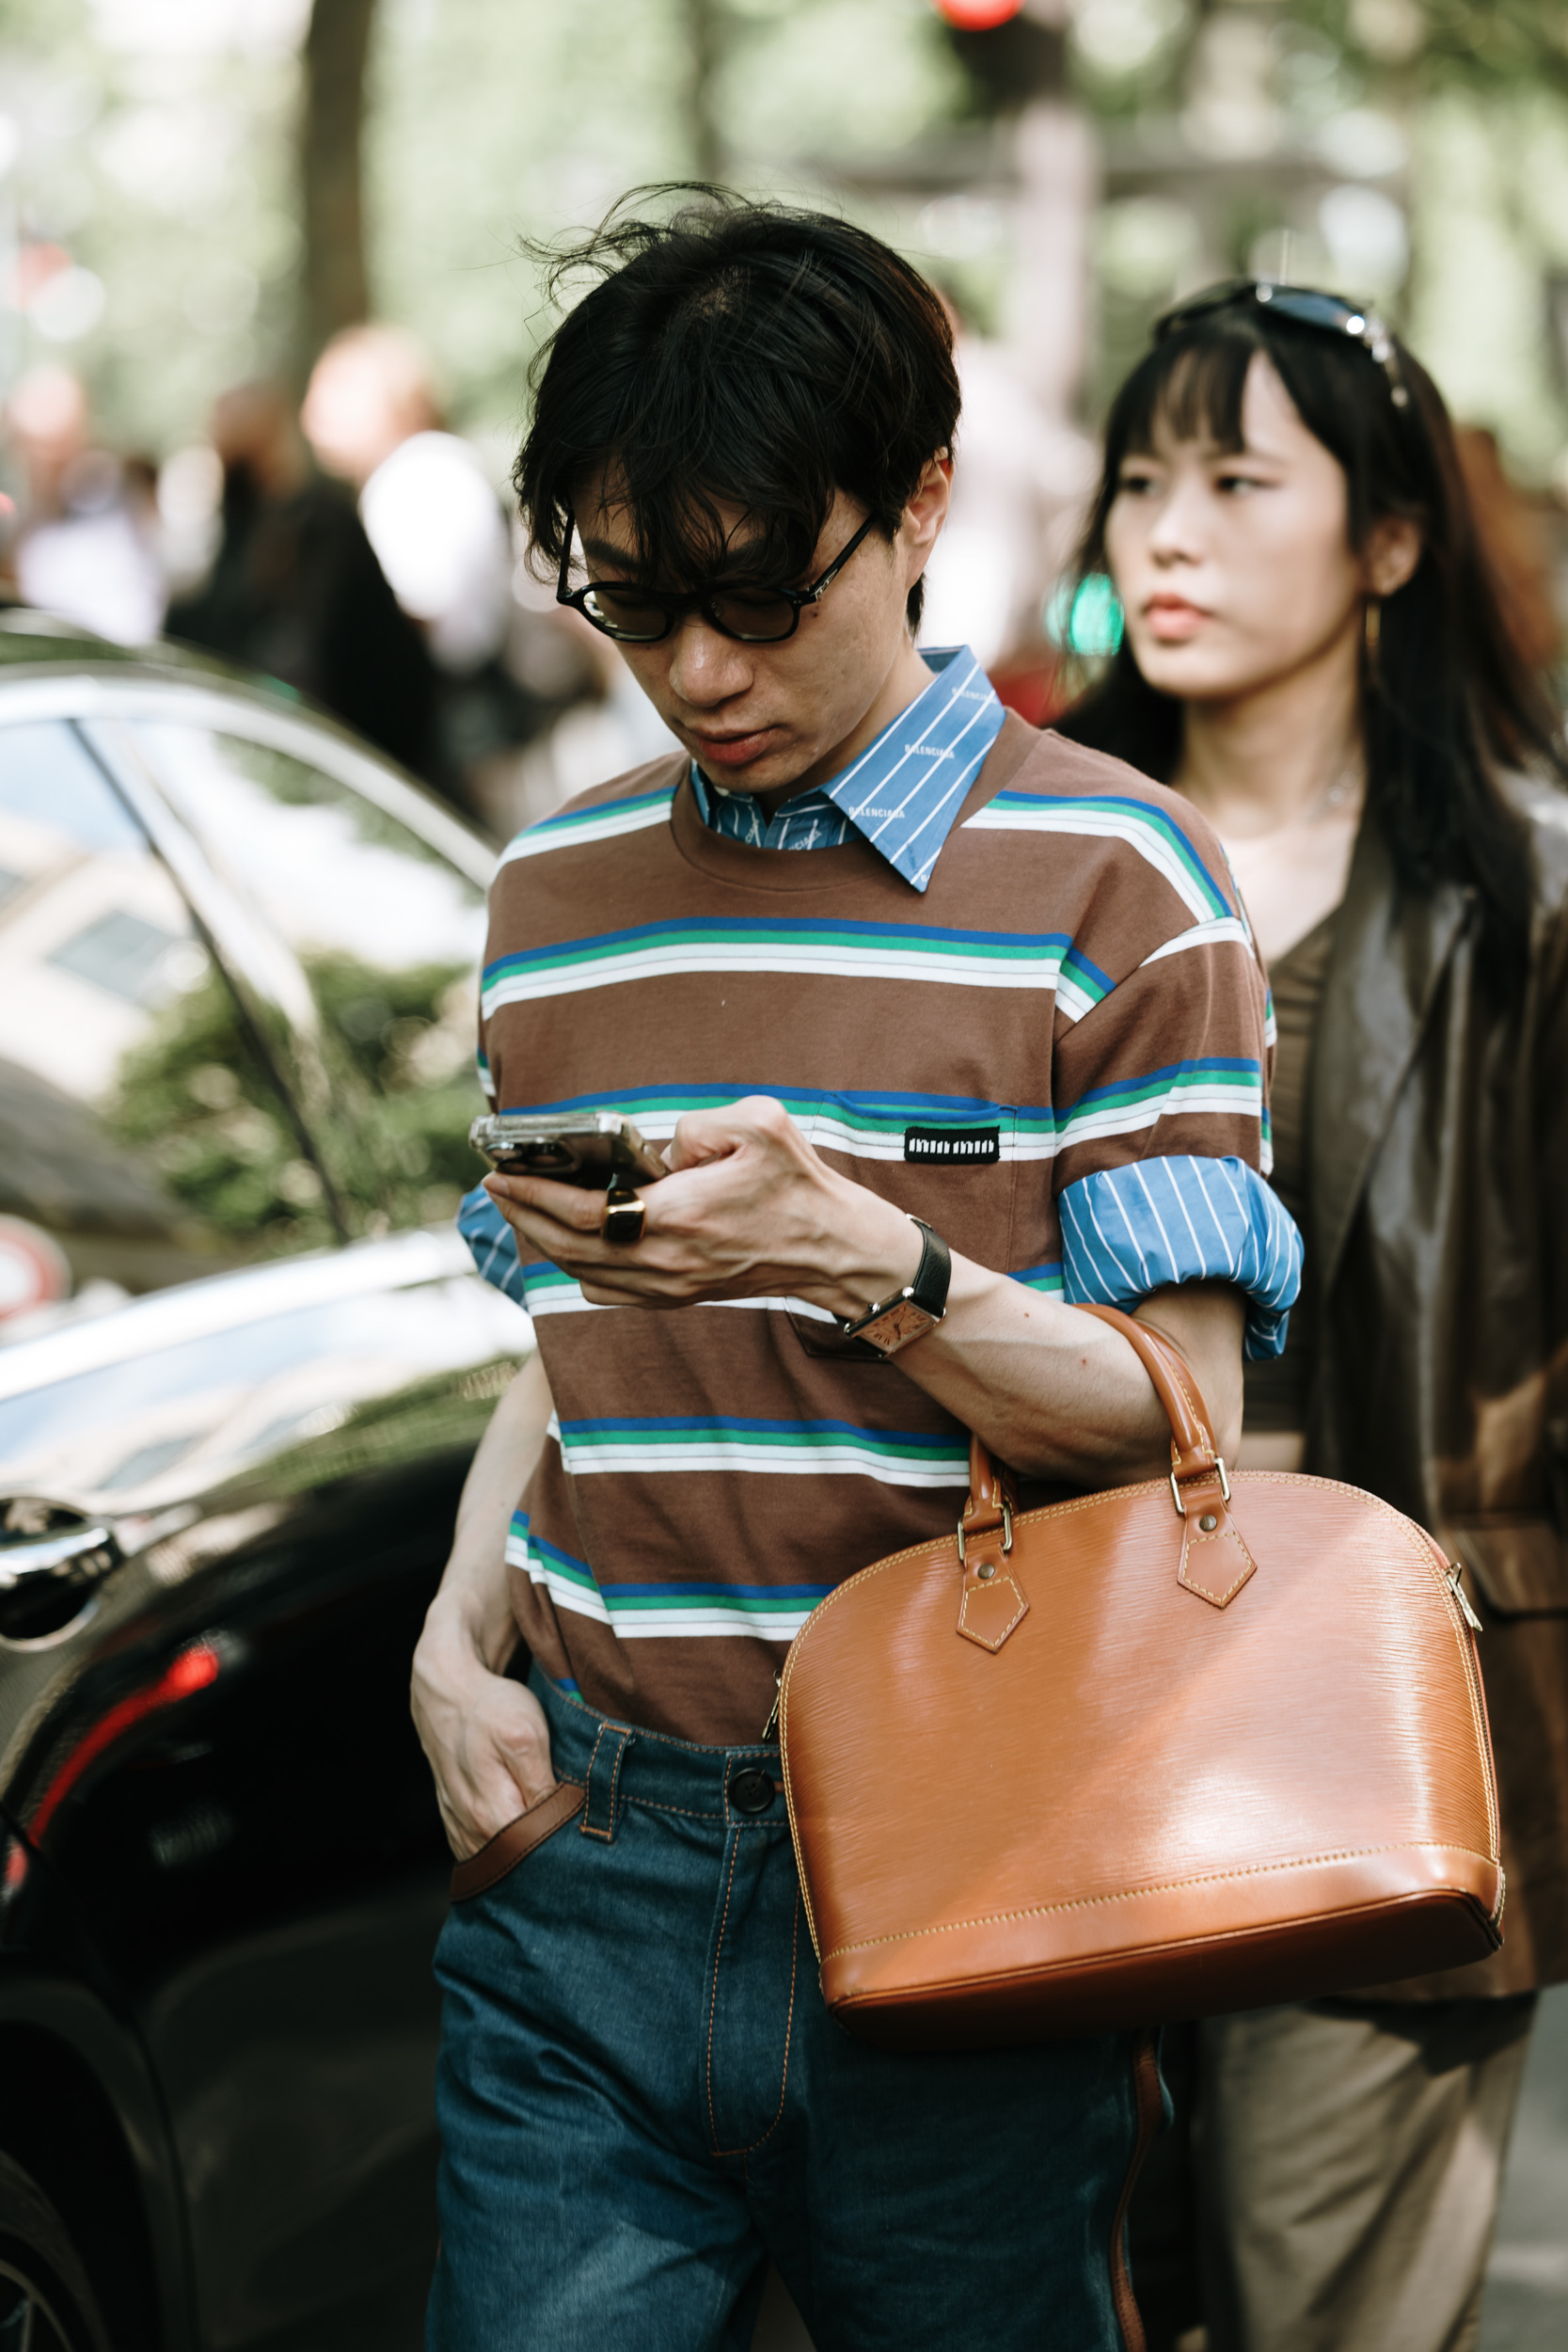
(1192, 387)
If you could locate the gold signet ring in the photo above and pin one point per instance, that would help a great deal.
(624, 1218)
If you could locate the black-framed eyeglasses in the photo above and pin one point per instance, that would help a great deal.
(754, 614)
(1307, 305)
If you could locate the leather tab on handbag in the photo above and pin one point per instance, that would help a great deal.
(991, 1602)
(1214, 1562)
(1102, 1807)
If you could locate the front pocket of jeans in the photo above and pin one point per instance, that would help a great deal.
(512, 1844)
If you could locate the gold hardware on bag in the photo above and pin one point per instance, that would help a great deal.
(1007, 1532)
(1176, 1491)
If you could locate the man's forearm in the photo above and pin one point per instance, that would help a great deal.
(1057, 1394)
(751, 1210)
(474, 1587)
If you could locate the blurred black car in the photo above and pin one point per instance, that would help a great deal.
(238, 958)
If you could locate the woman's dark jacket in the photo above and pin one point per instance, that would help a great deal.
(1437, 1240)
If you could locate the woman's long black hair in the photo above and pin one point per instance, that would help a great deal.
(1446, 698)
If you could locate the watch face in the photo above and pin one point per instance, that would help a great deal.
(903, 1322)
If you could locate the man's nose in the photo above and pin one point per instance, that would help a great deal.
(707, 667)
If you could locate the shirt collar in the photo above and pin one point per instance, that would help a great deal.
(904, 791)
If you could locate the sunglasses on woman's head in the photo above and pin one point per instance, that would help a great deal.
(1305, 306)
(752, 615)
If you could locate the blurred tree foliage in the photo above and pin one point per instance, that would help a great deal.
(493, 119)
(193, 1100)
(1415, 47)
(1474, 45)
(155, 148)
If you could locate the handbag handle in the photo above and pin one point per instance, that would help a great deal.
(1192, 1451)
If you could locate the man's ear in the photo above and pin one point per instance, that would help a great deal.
(925, 514)
(1392, 551)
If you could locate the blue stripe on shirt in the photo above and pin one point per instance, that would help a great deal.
(492, 1244)
(1129, 1231)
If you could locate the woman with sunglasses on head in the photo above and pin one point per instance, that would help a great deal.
(1316, 655)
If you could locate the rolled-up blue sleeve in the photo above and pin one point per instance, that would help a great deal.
(493, 1244)
(1129, 1231)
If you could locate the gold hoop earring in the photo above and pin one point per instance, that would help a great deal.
(1372, 628)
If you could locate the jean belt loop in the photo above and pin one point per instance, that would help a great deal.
(604, 1781)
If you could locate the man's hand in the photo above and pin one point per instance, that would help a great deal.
(486, 1736)
(748, 1211)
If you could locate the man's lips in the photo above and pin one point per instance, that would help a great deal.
(1172, 620)
(732, 751)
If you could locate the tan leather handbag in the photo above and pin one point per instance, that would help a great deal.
(1176, 1749)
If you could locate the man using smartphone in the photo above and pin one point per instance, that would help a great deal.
(944, 1025)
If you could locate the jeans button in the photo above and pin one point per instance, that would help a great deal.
(751, 1791)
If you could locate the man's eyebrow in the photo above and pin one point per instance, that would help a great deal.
(739, 559)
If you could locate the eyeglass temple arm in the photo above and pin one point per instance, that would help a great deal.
(820, 587)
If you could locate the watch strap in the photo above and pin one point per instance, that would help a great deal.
(890, 1324)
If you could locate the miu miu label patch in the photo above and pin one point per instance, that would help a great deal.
(953, 1147)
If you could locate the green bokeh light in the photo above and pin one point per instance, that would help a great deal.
(1084, 617)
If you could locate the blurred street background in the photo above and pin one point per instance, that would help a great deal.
(199, 202)
(267, 301)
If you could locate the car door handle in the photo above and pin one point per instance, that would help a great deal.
(84, 1552)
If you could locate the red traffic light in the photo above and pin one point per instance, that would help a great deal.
(977, 16)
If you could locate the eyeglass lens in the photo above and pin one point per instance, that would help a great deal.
(756, 615)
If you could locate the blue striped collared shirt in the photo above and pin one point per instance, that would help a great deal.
(902, 794)
(1125, 1231)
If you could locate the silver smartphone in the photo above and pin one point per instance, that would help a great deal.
(595, 1148)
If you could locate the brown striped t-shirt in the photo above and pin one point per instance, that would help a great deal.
(1057, 1055)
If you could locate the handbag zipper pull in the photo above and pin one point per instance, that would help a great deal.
(1457, 1589)
(770, 1726)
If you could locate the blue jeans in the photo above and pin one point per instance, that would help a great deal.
(642, 2097)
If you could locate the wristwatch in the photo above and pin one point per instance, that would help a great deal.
(891, 1324)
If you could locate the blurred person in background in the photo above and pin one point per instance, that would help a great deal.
(1317, 654)
(372, 418)
(88, 543)
(1020, 480)
(296, 589)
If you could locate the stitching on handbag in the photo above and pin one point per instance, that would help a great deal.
(1175, 1365)
(713, 2004)
(1231, 1534)
(973, 1634)
(1170, 1886)
(1425, 1549)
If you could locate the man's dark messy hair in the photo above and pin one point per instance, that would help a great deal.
(735, 354)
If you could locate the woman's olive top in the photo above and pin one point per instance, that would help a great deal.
(1276, 1393)
(1435, 1212)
